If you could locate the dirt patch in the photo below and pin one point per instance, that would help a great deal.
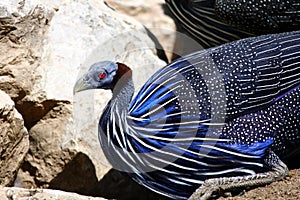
(289, 188)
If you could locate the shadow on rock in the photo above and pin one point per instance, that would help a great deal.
(78, 176)
(117, 185)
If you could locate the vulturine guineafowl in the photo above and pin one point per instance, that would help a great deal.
(215, 22)
(223, 117)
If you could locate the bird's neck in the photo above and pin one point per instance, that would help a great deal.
(113, 122)
(123, 87)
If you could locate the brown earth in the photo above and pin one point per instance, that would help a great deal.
(289, 188)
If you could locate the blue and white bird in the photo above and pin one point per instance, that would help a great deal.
(225, 117)
(215, 22)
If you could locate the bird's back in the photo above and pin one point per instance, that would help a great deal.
(260, 17)
(199, 18)
(251, 73)
(215, 22)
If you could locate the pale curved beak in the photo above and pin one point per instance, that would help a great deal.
(80, 85)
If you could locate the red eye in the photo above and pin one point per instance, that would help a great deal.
(102, 75)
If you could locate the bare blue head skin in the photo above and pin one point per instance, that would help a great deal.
(99, 76)
(103, 75)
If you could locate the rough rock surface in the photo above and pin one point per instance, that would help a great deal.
(45, 47)
(21, 38)
(45, 194)
(156, 16)
(153, 15)
(14, 142)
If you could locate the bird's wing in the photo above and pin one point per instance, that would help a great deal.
(258, 71)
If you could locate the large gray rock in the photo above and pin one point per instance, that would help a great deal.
(7, 193)
(14, 142)
(45, 47)
(22, 34)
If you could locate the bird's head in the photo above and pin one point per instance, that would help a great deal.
(101, 75)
